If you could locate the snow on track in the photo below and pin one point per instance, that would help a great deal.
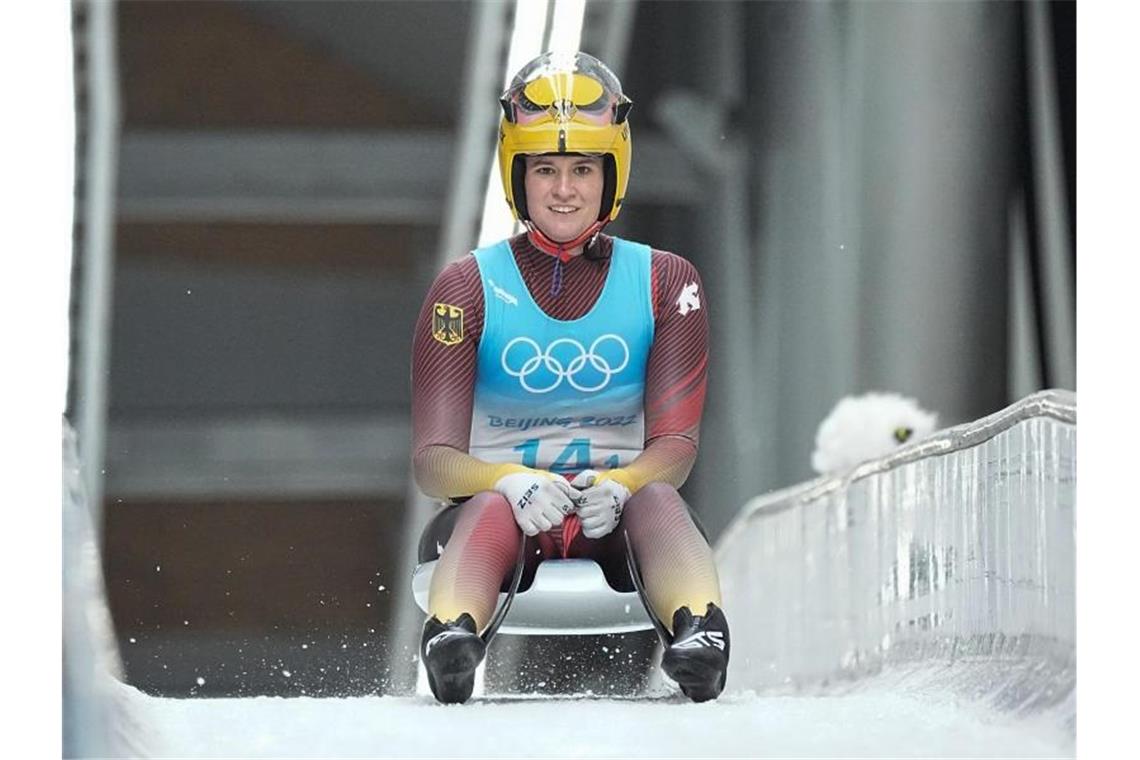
(867, 724)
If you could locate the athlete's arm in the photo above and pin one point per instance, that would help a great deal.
(447, 473)
(675, 378)
(443, 387)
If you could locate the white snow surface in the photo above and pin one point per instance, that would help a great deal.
(870, 723)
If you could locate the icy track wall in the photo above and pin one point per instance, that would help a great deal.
(948, 565)
(97, 714)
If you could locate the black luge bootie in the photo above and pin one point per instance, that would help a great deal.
(697, 658)
(450, 652)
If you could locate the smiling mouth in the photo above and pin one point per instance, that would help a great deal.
(563, 209)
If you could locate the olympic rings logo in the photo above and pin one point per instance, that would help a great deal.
(581, 360)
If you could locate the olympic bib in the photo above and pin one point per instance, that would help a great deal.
(562, 395)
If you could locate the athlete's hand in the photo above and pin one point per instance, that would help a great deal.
(584, 479)
(539, 500)
(600, 504)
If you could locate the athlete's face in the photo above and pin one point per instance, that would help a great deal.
(564, 194)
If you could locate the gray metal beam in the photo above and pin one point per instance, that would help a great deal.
(283, 176)
(342, 455)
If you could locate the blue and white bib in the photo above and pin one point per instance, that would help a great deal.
(562, 395)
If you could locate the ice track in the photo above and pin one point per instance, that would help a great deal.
(873, 723)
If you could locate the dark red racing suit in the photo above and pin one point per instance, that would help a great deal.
(675, 560)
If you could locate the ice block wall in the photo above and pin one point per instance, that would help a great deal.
(952, 560)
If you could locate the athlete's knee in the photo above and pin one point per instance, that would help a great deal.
(659, 506)
(655, 496)
(486, 508)
(484, 525)
(659, 490)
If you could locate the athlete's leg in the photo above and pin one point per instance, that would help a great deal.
(675, 560)
(681, 583)
(464, 589)
(481, 552)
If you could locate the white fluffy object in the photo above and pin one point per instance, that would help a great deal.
(866, 427)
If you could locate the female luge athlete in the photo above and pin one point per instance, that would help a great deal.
(558, 382)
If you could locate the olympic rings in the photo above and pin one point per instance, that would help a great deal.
(570, 371)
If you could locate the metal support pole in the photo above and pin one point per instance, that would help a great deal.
(699, 126)
(1060, 313)
(98, 256)
(613, 47)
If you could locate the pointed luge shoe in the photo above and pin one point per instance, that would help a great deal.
(450, 652)
(697, 658)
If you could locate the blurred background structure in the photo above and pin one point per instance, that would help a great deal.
(878, 196)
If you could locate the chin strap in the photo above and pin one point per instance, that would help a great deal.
(560, 251)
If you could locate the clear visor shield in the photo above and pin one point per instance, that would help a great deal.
(574, 88)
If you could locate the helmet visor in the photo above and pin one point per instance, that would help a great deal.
(574, 88)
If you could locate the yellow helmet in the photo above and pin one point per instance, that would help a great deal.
(565, 103)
